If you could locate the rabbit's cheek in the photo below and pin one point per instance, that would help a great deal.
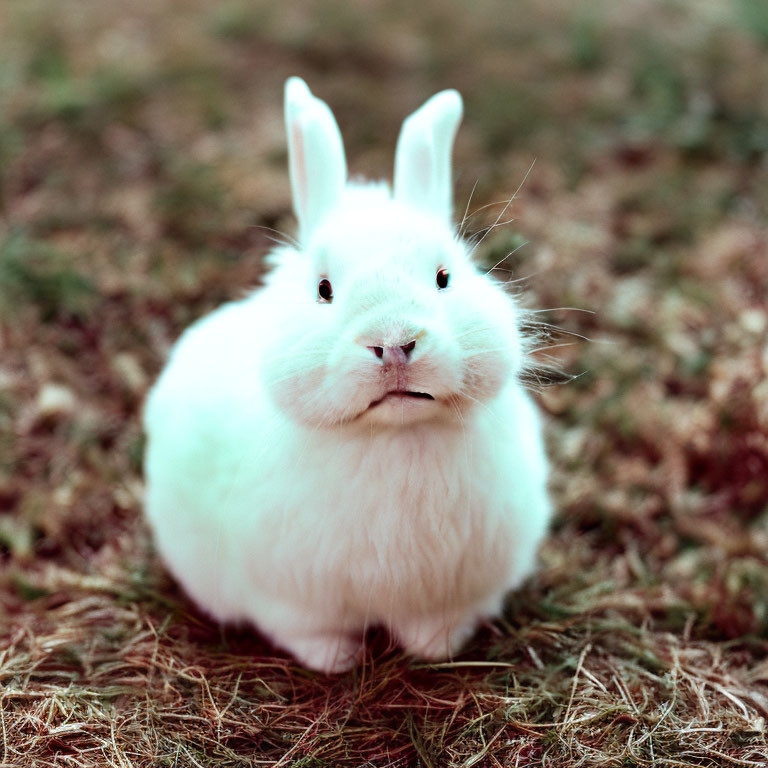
(349, 385)
(300, 396)
(483, 381)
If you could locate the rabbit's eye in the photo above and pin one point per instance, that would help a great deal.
(442, 278)
(324, 290)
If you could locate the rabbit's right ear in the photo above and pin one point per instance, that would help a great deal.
(423, 156)
(315, 155)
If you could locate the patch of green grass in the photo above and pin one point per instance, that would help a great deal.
(60, 94)
(746, 134)
(49, 62)
(506, 113)
(683, 100)
(35, 272)
(198, 87)
(136, 452)
(26, 590)
(240, 21)
(343, 22)
(587, 48)
(11, 145)
(660, 91)
(753, 14)
(107, 94)
(16, 536)
(632, 254)
(189, 202)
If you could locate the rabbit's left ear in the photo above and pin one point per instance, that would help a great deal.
(423, 156)
(315, 156)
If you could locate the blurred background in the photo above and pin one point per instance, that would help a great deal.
(143, 165)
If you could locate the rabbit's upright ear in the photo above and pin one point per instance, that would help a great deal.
(315, 155)
(423, 156)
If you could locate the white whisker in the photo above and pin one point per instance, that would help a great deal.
(561, 309)
(535, 325)
(553, 346)
(466, 210)
(504, 258)
(288, 240)
(504, 210)
(464, 393)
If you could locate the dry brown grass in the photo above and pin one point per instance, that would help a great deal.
(106, 671)
(141, 158)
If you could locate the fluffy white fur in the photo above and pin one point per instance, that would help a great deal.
(286, 487)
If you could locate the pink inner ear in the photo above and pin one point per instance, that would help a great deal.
(300, 167)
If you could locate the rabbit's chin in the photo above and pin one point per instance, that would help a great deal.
(397, 409)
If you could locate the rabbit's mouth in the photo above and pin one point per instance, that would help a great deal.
(398, 394)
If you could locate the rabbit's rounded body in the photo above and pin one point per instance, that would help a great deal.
(318, 466)
(305, 532)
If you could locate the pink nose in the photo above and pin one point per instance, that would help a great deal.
(394, 355)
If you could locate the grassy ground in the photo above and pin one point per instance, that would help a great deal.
(141, 157)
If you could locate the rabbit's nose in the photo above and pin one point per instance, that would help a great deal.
(394, 355)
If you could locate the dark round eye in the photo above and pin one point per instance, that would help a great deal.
(325, 290)
(442, 278)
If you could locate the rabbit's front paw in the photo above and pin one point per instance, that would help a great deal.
(436, 637)
(329, 653)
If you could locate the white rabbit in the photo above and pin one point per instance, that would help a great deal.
(350, 445)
